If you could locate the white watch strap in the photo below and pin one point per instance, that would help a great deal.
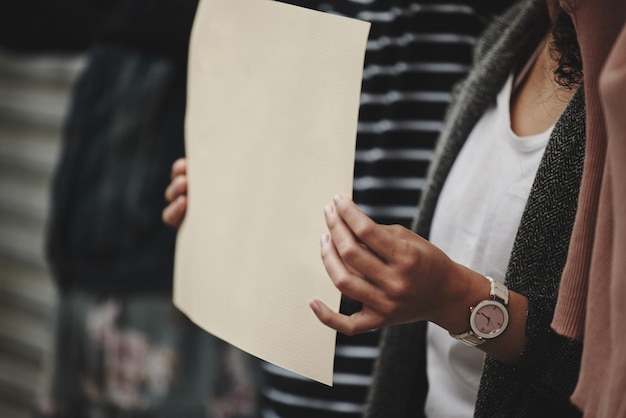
(499, 291)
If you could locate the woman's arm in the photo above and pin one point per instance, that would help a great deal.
(400, 278)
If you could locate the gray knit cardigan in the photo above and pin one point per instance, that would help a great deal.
(540, 383)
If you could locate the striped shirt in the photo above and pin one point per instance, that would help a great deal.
(416, 52)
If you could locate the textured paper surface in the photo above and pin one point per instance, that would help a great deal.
(272, 107)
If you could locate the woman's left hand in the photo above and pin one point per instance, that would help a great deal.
(397, 275)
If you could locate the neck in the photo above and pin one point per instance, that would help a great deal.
(539, 100)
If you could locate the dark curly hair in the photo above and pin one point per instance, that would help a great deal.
(565, 51)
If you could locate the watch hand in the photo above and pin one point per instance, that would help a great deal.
(488, 319)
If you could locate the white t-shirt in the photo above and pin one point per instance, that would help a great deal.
(475, 223)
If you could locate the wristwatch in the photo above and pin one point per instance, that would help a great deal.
(489, 318)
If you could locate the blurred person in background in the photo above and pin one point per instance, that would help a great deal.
(417, 50)
(121, 348)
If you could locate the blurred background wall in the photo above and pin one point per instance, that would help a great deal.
(34, 93)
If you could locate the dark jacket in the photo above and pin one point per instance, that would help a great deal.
(540, 383)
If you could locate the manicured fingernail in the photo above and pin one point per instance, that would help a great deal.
(328, 210)
(315, 305)
(338, 198)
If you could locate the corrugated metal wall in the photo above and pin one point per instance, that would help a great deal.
(34, 93)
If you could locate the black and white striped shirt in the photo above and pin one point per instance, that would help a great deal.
(417, 50)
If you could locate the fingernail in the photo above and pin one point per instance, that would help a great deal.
(338, 198)
(315, 305)
(325, 239)
(328, 210)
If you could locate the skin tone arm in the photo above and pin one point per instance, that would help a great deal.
(400, 277)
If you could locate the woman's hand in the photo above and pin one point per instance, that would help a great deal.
(396, 274)
(176, 195)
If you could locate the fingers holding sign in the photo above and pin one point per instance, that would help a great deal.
(176, 195)
(396, 274)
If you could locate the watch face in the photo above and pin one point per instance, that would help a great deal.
(489, 319)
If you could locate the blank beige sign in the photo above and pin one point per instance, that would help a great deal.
(273, 96)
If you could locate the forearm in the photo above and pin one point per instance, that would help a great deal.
(401, 277)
